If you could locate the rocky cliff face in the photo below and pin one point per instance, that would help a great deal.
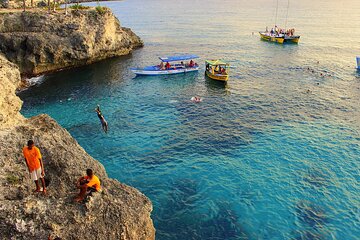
(119, 212)
(10, 105)
(39, 42)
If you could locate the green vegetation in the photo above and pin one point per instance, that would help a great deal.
(101, 10)
(78, 7)
(12, 179)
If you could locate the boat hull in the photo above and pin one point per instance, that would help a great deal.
(281, 40)
(218, 77)
(145, 72)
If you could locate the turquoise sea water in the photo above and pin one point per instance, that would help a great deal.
(274, 154)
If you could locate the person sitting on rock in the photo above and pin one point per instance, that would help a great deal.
(87, 184)
(104, 123)
(35, 165)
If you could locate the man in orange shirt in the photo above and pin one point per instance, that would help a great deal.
(35, 165)
(90, 183)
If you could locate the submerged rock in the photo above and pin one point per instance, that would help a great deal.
(118, 212)
(40, 42)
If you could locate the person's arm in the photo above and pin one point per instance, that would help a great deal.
(78, 182)
(42, 167)
(27, 164)
(41, 162)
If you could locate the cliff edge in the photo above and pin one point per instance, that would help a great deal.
(36, 45)
(40, 42)
(118, 212)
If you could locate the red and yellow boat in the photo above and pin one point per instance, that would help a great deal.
(217, 70)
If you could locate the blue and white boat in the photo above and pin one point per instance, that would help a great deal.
(170, 65)
(358, 63)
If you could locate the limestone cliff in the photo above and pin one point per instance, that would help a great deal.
(40, 42)
(119, 212)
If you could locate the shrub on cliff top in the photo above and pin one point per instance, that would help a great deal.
(79, 7)
(101, 10)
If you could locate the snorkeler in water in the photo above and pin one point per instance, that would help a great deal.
(104, 123)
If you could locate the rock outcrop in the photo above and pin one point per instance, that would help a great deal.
(19, 3)
(118, 212)
(39, 42)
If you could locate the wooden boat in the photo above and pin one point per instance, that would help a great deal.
(217, 70)
(173, 65)
(279, 38)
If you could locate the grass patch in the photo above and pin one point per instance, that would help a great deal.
(12, 179)
(78, 7)
(101, 10)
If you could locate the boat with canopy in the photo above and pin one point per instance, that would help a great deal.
(217, 70)
(280, 35)
(170, 65)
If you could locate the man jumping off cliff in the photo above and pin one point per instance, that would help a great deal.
(35, 165)
(89, 183)
(104, 123)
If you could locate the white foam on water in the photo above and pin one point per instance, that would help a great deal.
(36, 80)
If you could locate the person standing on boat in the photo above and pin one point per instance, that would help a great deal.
(104, 123)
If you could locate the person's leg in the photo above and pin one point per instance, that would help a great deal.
(43, 185)
(104, 125)
(37, 186)
(81, 195)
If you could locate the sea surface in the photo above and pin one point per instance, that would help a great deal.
(274, 154)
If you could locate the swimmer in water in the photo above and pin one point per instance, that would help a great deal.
(196, 99)
(104, 123)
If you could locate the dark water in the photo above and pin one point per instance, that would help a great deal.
(274, 154)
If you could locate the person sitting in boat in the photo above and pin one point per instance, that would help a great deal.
(161, 65)
(223, 71)
(191, 64)
(292, 32)
(167, 65)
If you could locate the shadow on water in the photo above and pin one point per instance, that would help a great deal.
(313, 219)
(183, 222)
(317, 178)
(216, 87)
(86, 129)
(224, 225)
(58, 86)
